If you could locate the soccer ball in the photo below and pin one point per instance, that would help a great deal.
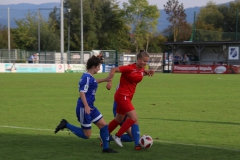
(146, 141)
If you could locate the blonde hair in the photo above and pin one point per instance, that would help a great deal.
(142, 54)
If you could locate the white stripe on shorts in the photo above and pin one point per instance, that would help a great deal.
(97, 118)
(81, 115)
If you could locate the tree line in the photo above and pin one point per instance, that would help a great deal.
(106, 26)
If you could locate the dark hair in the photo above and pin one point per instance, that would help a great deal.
(142, 54)
(92, 61)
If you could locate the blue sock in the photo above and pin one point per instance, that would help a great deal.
(135, 134)
(104, 134)
(126, 138)
(76, 130)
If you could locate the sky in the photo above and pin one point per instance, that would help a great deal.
(159, 3)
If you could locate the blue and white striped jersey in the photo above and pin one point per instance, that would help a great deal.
(88, 85)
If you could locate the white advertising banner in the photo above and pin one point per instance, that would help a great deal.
(2, 68)
(60, 68)
(74, 68)
(28, 68)
(43, 68)
(78, 68)
(233, 53)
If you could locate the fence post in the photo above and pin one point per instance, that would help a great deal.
(116, 58)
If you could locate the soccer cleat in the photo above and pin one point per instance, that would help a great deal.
(61, 126)
(109, 150)
(117, 140)
(138, 147)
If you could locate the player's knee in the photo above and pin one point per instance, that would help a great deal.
(119, 120)
(100, 126)
(88, 135)
(134, 119)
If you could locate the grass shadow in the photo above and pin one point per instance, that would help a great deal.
(62, 146)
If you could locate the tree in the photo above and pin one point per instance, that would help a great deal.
(230, 14)
(156, 43)
(176, 16)
(208, 24)
(114, 31)
(142, 19)
(4, 38)
(103, 25)
(211, 15)
(26, 34)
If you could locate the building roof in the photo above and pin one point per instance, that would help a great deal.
(190, 43)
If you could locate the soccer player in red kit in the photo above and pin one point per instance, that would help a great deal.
(131, 75)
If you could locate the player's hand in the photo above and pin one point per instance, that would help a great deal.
(151, 73)
(88, 109)
(109, 85)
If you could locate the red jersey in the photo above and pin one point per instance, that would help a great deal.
(129, 79)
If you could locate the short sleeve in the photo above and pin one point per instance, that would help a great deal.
(125, 69)
(84, 84)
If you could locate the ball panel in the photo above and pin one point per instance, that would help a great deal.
(146, 141)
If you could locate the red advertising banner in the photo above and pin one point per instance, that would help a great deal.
(203, 69)
(235, 69)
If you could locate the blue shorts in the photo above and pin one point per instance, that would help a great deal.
(86, 120)
(114, 108)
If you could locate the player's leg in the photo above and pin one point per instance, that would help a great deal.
(104, 134)
(119, 111)
(135, 129)
(127, 123)
(115, 122)
(124, 106)
(84, 119)
(75, 130)
(136, 135)
(125, 137)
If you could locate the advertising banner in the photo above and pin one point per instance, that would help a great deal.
(29, 68)
(107, 68)
(75, 68)
(235, 69)
(78, 68)
(203, 69)
(155, 62)
(233, 53)
(2, 67)
(60, 68)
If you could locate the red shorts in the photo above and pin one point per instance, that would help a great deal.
(124, 104)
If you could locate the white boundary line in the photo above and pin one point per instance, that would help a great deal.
(160, 141)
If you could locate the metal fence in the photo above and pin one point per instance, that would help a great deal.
(51, 57)
(47, 57)
(111, 57)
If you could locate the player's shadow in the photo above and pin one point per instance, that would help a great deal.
(195, 121)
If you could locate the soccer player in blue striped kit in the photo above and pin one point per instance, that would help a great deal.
(86, 112)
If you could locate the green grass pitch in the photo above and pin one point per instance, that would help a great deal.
(189, 117)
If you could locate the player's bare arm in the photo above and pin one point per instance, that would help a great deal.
(103, 80)
(111, 75)
(86, 106)
(148, 72)
(113, 71)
